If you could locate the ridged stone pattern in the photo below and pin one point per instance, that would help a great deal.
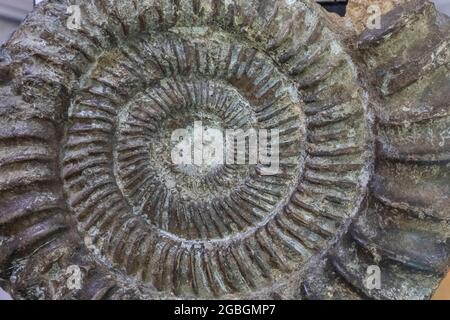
(86, 178)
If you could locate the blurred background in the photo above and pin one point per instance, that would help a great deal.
(12, 12)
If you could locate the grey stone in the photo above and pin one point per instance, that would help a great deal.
(87, 187)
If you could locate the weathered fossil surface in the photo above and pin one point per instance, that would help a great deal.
(85, 178)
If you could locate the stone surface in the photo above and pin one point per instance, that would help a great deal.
(87, 185)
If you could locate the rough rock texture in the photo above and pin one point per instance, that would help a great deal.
(85, 178)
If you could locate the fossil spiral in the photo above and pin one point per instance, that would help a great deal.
(86, 177)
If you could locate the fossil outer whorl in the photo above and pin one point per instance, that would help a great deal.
(85, 168)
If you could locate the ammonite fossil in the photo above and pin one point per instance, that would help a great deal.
(87, 182)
